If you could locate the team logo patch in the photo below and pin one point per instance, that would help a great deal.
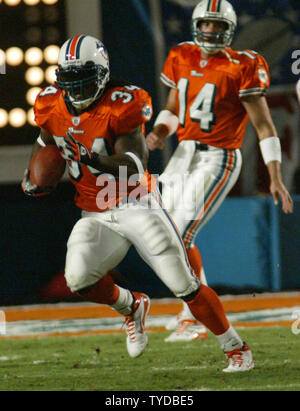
(101, 49)
(262, 75)
(83, 151)
(147, 112)
(203, 63)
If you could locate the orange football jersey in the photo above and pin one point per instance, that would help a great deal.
(209, 92)
(119, 111)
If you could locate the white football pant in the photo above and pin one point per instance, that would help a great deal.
(100, 241)
(195, 183)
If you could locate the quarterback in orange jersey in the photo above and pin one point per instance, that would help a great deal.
(213, 92)
(97, 124)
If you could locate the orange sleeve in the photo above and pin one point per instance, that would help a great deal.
(168, 77)
(130, 113)
(255, 77)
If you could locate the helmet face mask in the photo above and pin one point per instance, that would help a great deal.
(83, 72)
(218, 11)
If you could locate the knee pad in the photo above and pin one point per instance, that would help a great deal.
(80, 268)
(78, 272)
(155, 235)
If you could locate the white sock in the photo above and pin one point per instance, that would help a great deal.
(123, 305)
(230, 340)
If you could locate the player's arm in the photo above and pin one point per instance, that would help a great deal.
(260, 116)
(28, 187)
(43, 140)
(166, 123)
(130, 151)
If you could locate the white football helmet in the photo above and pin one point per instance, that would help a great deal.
(219, 10)
(83, 70)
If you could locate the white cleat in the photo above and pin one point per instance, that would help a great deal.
(188, 330)
(239, 360)
(137, 338)
(173, 323)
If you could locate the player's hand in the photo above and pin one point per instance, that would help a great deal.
(77, 151)
(154, 141)
(279, 191)
(31, 189)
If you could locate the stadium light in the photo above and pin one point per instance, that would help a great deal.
(51, 54)
(50, 75)
(14, 56)
(33, 56)
(29, 61)
(3, 117)
(50, 2)
(17, 117)
(31, 95)
(30, 117)
(31, 2)
(12, 2)
(34, 76)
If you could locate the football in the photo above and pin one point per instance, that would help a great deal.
(47, 167)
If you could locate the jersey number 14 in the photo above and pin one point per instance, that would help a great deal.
(201, 110)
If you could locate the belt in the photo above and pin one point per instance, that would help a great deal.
(201, 146)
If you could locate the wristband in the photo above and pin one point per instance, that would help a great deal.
(270, 149)
(40, 141)
(169, 119)
(138, 163)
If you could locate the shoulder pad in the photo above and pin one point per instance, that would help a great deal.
(47, 96)
(129, 106)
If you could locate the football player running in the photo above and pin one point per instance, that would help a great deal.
(213, 92)
(98, 124)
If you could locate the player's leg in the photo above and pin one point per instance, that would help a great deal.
(93, 250)
(157, 240)
(207, 307)
(182, 200)
(185, 326)
(214, 172)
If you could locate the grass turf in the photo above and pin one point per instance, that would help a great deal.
(101, 363)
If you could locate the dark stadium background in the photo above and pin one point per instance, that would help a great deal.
(263, 251)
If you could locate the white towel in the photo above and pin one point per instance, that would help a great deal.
(179, 163)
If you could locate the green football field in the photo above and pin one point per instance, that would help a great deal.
(101, 363)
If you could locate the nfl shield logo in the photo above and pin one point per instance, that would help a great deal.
(75, 121)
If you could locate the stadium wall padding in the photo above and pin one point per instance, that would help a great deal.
(248, 245)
